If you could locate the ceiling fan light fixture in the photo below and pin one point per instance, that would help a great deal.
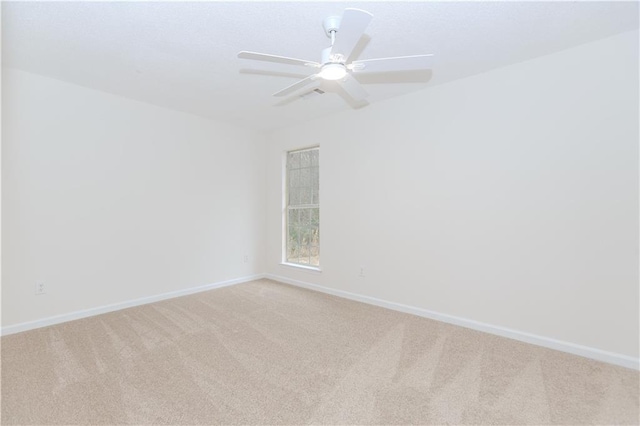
(333, 72)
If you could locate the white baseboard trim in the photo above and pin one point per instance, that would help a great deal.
(572, 348)
(57, 319)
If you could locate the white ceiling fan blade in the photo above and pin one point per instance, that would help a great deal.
(336, 87)
(278, 59)
(400, 63)
(297, 85)
(353, 88)
(352, 26)
(303, 94)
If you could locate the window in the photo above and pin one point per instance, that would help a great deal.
(302, 212)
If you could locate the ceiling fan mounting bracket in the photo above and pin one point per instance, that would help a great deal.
(332, 23)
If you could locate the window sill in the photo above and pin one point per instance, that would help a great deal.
(303, 267)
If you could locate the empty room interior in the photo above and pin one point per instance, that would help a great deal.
(327, 213)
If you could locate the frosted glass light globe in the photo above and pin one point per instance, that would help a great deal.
(333, 72)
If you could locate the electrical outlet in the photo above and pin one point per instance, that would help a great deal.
(245, 258)
(361, 271)
(40, 288)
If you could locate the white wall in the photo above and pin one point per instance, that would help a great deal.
(509, 197)
(106, 199)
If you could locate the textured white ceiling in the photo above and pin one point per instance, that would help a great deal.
(183, 55)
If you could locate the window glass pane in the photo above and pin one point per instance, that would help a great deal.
(302, 209)
(294, 196)
(294, 178)
(292, 252)
(293, 162)
(292, 245)
(304, 178)
(315, 193)
(305, 160)
(306, 236)
(306, 195)
(314, 256)
(316, 233)
(303, 216)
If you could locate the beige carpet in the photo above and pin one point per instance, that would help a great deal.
(268, 353)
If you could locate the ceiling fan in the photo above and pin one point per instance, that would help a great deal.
(335, 66)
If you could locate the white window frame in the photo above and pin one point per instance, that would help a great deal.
(285, 211)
